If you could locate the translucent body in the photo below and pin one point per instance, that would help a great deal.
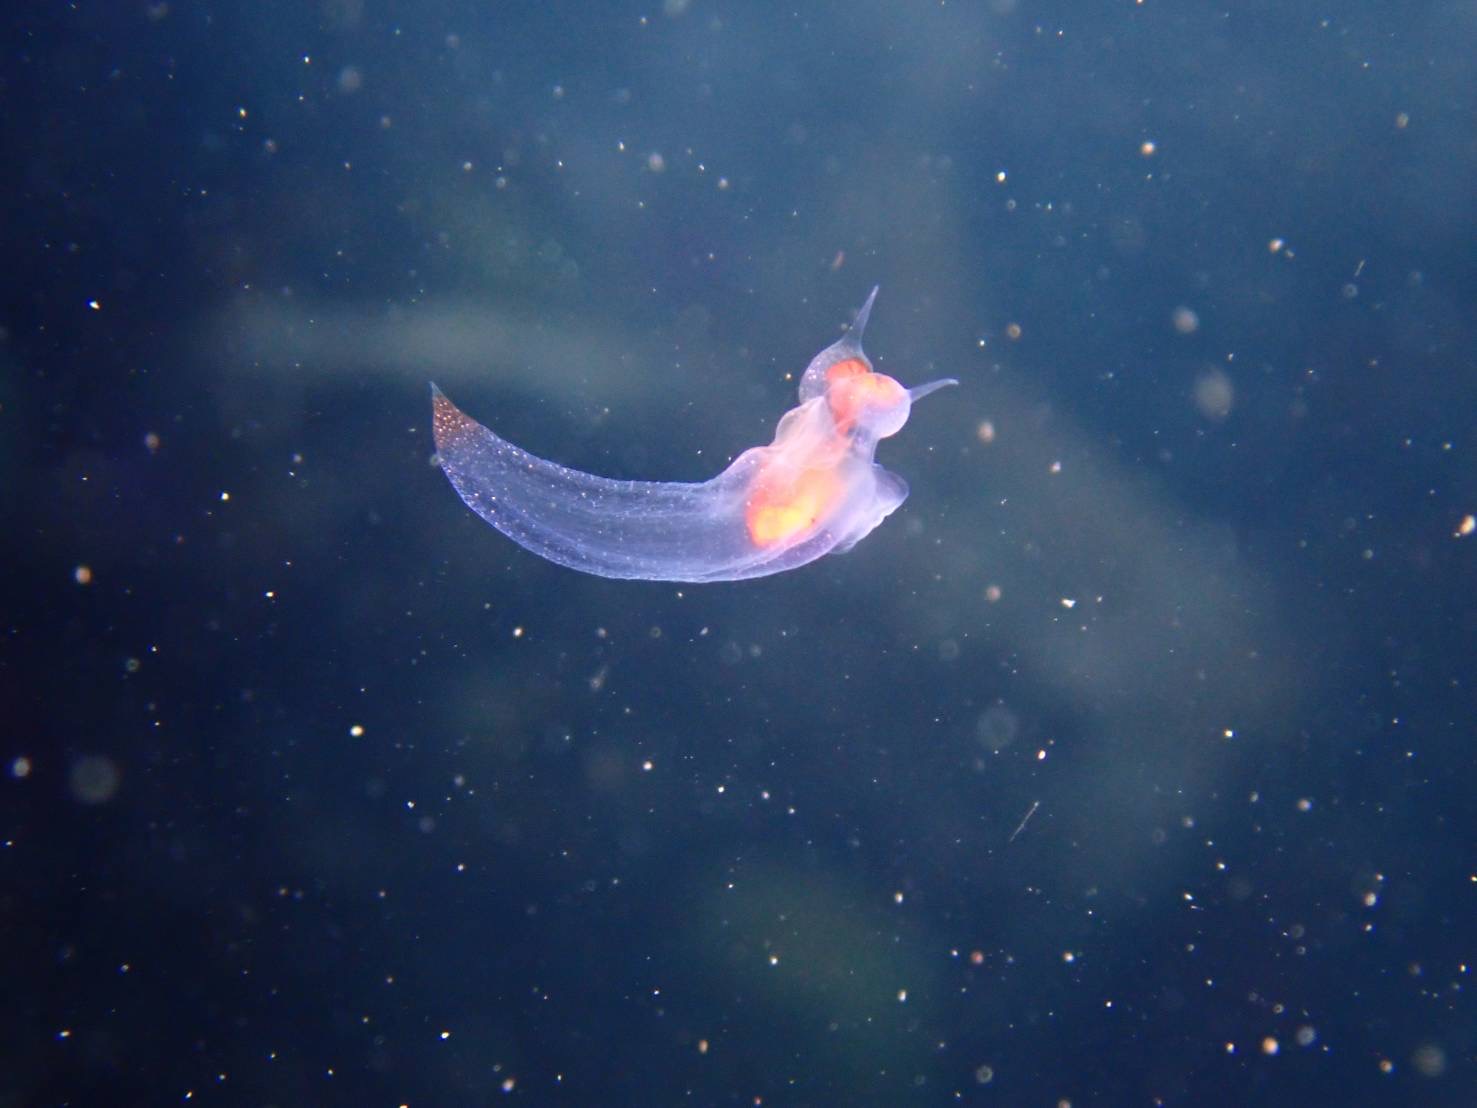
(813, 491)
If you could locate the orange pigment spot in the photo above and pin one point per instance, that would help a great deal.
(848, 367)
(785, 503)
(850, 394)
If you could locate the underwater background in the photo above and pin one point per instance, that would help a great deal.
(1129, 762)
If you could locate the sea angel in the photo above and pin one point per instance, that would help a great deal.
(814, 490)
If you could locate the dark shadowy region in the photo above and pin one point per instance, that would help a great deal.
(1127, 762)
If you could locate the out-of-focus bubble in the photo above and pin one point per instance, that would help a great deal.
(605, 770)
(1127, 235)
(997, 727)
(94, 779)
(1214, 395)
(343, 15)
(1429, 1060)
(1186, 320)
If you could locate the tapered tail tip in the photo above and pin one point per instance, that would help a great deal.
(449, 424)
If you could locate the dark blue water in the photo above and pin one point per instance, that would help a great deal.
(1129, 762)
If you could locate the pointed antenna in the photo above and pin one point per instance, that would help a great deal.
(853, 337)
(917, 394)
